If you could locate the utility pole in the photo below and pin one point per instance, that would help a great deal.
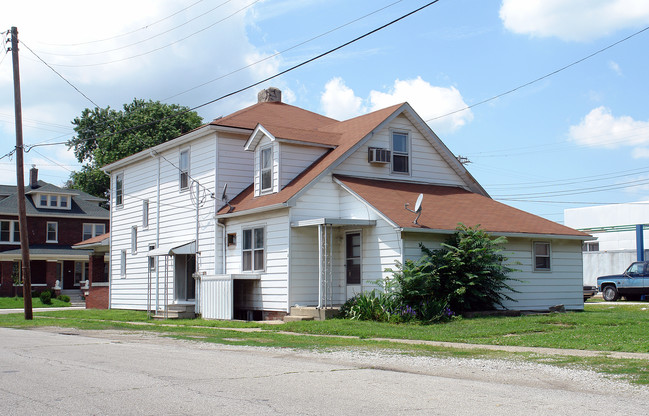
(20, 181)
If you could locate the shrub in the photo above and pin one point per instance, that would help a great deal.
(369, 306)
(468, 273)
(64, 298)
(46, 297)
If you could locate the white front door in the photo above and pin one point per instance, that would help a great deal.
(353, 263)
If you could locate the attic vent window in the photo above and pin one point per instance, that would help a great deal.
(378, 155)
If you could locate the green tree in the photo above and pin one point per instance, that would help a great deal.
(104, 135)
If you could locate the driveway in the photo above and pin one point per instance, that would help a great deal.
(61, 371)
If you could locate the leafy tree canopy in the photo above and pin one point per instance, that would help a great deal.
(104, 135)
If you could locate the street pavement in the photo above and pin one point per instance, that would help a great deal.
(60, 371)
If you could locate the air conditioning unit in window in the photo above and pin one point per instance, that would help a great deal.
(378, 155)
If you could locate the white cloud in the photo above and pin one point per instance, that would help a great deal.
(575, 20)
(615, 67)
(340, 102)
(600, 128)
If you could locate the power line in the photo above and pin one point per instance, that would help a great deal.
(577, 191)
(283, 51)
(330, 51)
(161, 47)
(151, 37)
(540, 78)
(62, 77)
(127, 33)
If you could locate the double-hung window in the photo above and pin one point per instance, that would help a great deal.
(9, 231)
(134, 240)
(152, 259)
(183, 165)
(400, 152)
(92, 230)
(542, 256)
(52, 232)
(266, 168)
(119, 189)
(253, 249)
(145, 213)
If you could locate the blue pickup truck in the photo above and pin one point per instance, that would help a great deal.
(632, 284)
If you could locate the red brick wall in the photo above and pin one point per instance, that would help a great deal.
(70, 229)
(97, 298)
(6, 283)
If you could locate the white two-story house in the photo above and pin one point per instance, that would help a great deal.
(275, 206)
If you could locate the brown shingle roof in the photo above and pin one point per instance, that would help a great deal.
(444, 207)
(274, 114)
(349, 133)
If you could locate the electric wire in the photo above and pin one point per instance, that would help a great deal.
(577, 191)
(57, 73)
(161, 47)
(282, 51)
(149, 38)
(541, 77)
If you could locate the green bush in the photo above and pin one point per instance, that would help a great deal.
(467, 274)
(46, 297)
(64, 298)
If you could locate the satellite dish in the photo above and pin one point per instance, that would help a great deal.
(418, 203)
(417, 209)
(223, 195)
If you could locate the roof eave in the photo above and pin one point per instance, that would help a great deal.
(253, 210)
(501, 234)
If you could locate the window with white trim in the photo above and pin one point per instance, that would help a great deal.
(542, 256)
(64, 201)
(122, 263)
(252, 249)
(134, 240)
(266, 169)
(92, 230)
(52, 201)
(43, 200)
(119, 189)
(400, 152)
(183, 165)
(52, 232)
(10, 231)
(145, 213)
(152, 259)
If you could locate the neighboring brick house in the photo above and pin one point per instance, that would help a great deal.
(57, 218)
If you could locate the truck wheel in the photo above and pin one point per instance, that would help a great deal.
(610, 294)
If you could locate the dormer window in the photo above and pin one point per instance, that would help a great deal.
(266, 168)
(53, 201)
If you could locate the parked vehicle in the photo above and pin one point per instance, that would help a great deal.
(632, 284)
(589, 292)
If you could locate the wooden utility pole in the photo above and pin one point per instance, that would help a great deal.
(20, 181)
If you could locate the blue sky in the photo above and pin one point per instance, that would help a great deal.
(575, 138)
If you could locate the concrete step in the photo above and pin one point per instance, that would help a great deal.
(177, 311)
(289, 318)
(314, 312)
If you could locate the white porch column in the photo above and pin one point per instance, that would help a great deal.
(321, 255)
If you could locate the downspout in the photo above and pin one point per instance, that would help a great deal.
(320, 259)
(157, 241)
(223, 243)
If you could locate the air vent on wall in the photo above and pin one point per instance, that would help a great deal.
(378, 155)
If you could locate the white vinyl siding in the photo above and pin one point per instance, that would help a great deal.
(537, 291)
(270, 292)
(174, 216)
(296, 158)
(426, 164)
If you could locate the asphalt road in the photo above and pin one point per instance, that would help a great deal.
(61, 371)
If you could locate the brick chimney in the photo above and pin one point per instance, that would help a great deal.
(33, 177)
(270, 95)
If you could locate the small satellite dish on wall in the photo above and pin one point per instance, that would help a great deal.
(224, 197)
(417, 209)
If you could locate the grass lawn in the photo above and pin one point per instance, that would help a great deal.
(612, 327)
(17, 302)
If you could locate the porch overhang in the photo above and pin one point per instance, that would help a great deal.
(187, 247)
(335, 222)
